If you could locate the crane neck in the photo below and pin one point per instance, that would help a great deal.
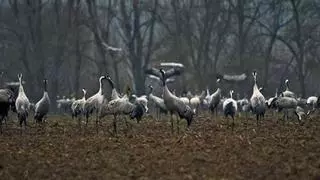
(111, 83)
(218, 90)
(166, 91)
(100, 86)
(84, 96)
(45, 86)
(21, 88)
(208, 93)
(255, 87)
(150, 90)
(287, 86)
(163, 78)
(231, 93)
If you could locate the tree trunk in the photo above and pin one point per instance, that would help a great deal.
(241, 38)
(300, 45)
(138, 59)
(78, 51)
(95, 27)
(267, 61)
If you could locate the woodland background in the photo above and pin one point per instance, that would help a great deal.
(62, 40)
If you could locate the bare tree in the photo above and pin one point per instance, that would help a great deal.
(134, 39)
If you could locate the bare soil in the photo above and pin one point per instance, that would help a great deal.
(149, 150)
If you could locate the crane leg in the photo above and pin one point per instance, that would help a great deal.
(87, 118)
(157, 114)
(1, 119)
(125, 120)
(232, 122)
(20, 123)
(246, 114)
(25, 124)
(97, 118)
(171, 118)
(178, 128)
(97, 124)
(287, 117)
(5, 121)
(79, 122)
(115, 124)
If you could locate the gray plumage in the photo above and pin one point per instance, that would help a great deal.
(64, 104)
(121, 106)
(159, 102)
(284, 104)
(312, 104)
(95, 102)
(232, 78)
(158, 80)
(215, 98)
(302, 102)
(230, 107)
(185, 100)
(114, 92)
(312, 101)
(22, 104)
(270, 100)
(6, 95)
(299, 112)
(257, 100)
(117, 107)
(143, 100)
(43, 105)
(206, 99)
(169, 73)
(7, 101)
(189, 95)
(171, 64)
(196, 100)
(32, 107)
(287, 92)
(78, 105)
(244, 105)
(175, 104)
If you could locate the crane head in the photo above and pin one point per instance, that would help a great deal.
(102, 77)
(254, 73)
(231, 93)
(261, 88)
(162, 71)
(20, 77)
(84, 91)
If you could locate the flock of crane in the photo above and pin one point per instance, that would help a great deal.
(185, 107)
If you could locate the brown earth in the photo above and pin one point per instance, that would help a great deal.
(209, 150)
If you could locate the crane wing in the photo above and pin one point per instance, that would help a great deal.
(153, 71)
(168, 74)
(232, 78)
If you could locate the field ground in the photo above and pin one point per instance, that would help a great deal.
(209, 150)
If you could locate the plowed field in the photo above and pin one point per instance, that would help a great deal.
(208, 150)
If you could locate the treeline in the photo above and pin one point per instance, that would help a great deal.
(67, 42)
